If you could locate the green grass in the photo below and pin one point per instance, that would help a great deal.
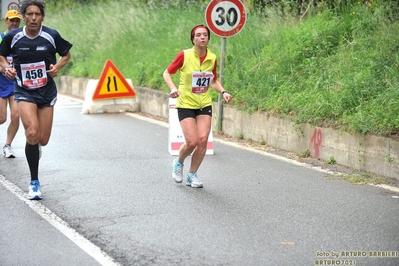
(328, 69)
(360, 179)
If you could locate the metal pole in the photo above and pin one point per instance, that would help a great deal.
(221, 80)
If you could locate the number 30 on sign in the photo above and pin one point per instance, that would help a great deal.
(225, 18)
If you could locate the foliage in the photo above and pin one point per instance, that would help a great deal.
(148, 3)
(71, 3)
(336, 66)
(360, 179)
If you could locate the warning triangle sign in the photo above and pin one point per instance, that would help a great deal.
(112, 84)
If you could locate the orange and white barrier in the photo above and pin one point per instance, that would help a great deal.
(117, 105)
(112, 93)
(176, 137)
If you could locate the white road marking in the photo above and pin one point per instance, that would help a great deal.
(394, 189)
(93, 250)
(278, 157)
(82, 242)
(265, 153)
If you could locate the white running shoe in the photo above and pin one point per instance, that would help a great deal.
(8, 152)
(177, 172)
(193, 180)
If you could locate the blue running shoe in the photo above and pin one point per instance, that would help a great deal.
(177, 173)
(34, 190)
(193, 180)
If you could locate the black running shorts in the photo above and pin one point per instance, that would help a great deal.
(184, 112)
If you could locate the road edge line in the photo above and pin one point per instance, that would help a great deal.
(62, 226)
(265, 153)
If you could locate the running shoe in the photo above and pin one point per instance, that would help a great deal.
(34, 190)
(177, 173)
(193, 180)
(8, 152)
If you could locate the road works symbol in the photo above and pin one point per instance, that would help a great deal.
(112, 84)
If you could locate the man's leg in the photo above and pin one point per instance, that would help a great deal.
(7, 151)
(29, 116)
(12, 128)
(14, 124)
(45, 116)
(3, 110)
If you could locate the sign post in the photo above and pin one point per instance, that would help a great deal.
(225, 18)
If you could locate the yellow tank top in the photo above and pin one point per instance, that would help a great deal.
(195, 79)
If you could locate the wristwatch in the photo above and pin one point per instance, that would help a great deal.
(223, 92)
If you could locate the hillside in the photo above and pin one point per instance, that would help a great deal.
(330, 69)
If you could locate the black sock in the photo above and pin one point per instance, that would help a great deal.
(32, 156)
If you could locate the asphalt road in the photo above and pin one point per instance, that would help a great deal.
(109, 199)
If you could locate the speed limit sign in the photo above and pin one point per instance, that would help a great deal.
(225, 18)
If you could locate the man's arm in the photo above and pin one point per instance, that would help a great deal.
(5, 69)
(3, 64)
(53, 71)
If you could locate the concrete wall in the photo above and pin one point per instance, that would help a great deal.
(374, 154)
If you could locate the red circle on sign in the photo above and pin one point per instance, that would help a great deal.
(13, 5)
(225, 18)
